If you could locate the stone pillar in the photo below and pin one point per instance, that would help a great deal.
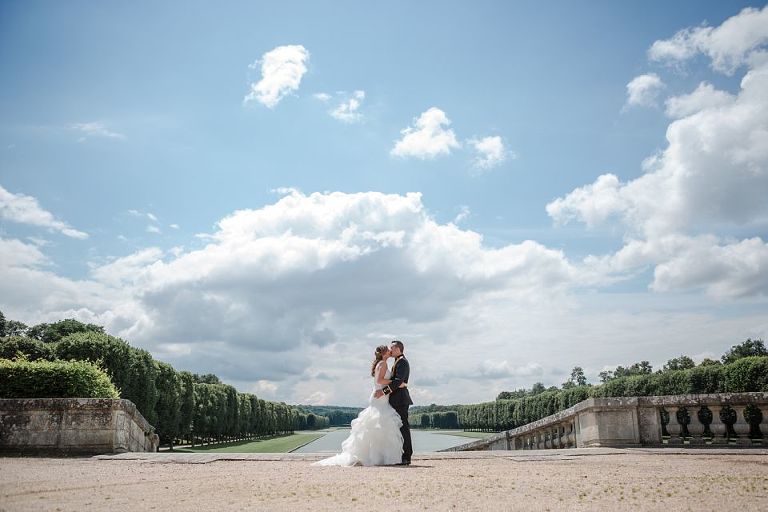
(741, 426)
(717, 427)
(673, 426)
(764, 424)
(695, 427)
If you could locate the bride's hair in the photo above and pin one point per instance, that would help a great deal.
(379, 354)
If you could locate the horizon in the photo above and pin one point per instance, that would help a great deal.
(268, 192)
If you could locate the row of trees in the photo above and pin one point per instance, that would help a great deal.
(181, 405)
(447, 419)
(743, 368)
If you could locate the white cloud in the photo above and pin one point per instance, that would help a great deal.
(496, 369)
(704, 97)
(429, 137)
(95, 129)
(729, 45)
(686, 216)
(348, 110)
(322, 96)
(643, 90)
(174, 226)
(153, 229)
(490, 152)
(25, 209)
(464, 213)
(151, 217)
(281, 72)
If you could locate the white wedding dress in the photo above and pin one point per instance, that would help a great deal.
(375, 439)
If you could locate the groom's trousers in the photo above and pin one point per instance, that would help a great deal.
(405, 430)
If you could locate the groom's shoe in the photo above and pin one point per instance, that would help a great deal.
(405, 462)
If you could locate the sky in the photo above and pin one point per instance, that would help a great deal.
(269, 190)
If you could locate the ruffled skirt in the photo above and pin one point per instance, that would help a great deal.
(375, 439)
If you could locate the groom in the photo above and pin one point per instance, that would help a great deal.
(399, 398)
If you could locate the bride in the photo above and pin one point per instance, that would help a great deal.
(375, 439)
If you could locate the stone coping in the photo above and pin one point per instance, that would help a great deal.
(76, 404)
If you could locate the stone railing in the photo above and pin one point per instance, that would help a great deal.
(73, 426)
(726, 419)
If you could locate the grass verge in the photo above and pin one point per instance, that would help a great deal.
(282, 444)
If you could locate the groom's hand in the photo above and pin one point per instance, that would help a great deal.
(378, 394)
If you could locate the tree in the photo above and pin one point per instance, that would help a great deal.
(537, 388)
(51, 333)
(577, 378)
(747, 349)
(15, 328)
(679, 363)
(207, 378)
(708, 362)
(2, 324)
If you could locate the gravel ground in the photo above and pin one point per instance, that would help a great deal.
(552, 480)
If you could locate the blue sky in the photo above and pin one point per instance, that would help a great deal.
(127, 122)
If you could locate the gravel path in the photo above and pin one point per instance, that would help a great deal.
(591, 479)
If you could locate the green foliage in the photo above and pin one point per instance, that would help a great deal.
(749, 348)
(679, 363)
(132, 370)
(168, 406)
(743, 375)
(207, 378)
(15, 328)
(747, 374)
(51, 333)
(641, 368)
(13, 346)
(54, 379)
(337, 416)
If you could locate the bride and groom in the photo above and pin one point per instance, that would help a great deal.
(381, 434)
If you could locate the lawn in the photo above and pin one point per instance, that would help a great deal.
(282, 444)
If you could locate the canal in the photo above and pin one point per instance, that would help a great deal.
(423, 441)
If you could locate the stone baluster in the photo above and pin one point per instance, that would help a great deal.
(556, 437)
(570, 440)
(695, 427)
(717, 427)
(764, 424)
(741, 426)
(673, 427)
(547, 433)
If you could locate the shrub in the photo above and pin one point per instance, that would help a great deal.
(747, 374)
(31, 349)
(54, 379)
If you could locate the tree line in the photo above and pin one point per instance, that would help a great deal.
(742, 368)
(183, 406)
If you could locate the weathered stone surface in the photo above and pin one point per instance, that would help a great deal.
(62, 426)
(625, 422)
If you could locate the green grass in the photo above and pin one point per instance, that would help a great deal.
(282, 444)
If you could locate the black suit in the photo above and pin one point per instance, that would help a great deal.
(400, 400)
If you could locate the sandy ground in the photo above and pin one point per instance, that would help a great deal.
(592, 479)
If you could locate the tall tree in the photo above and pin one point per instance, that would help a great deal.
(747, 349)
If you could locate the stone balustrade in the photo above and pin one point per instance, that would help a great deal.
(73, 426)
(725, 419)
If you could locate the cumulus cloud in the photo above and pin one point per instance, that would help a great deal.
(496, 369)
(281, 72)
(704, 97)
(683, 214)
(348, 111)
(644, 90)
(322, 96)
(429, 137)
(729, 46)
(95, 129)
(25, 209)
(490, 152)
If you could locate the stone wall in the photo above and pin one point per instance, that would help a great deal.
(638, 421)
(73, 426)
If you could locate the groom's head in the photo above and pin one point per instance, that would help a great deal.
(396, 348)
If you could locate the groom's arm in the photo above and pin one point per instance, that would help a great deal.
(401, 376)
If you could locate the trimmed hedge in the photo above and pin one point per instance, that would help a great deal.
(54, 379)
(13, 346)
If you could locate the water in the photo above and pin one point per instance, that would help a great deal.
(423, 441)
